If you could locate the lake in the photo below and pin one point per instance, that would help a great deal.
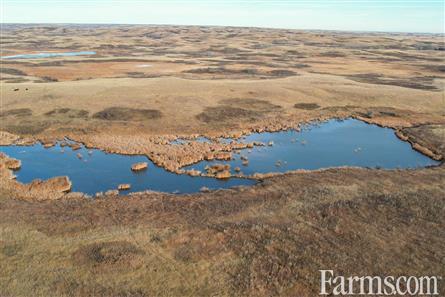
(329, 144)
(332, 143)
(98, 171)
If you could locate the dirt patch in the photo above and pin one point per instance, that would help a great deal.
(68, 112)
(127, 114)
(307, 106)
(226, 113)
(17, 112)
(107, 253)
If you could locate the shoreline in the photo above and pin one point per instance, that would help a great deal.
(57, 193)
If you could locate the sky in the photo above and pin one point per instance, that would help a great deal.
(352, 15)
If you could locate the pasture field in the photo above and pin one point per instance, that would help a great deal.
(146, 86)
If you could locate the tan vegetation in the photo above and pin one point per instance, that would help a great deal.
(10, 163)
(150, 85)
(265, 240)
(336, 72)
(123, 187)
(139, 166)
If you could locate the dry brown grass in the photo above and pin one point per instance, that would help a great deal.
(150, 67)
(307, 106)
(266, 240)
(127, 114)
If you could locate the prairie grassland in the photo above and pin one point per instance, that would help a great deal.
(147, 84)
(267, 240)
(198, 69)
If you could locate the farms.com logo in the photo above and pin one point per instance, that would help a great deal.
(333, 285)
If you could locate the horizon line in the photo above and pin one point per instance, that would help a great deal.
(223, 26)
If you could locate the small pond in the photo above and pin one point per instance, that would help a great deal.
(330, 144)
(49, 55)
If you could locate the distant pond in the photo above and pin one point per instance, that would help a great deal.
(49, 55)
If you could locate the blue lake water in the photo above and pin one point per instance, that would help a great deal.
(329, 144)
(49, 55)
(100, 171)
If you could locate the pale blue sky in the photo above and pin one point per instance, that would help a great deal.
(355, 15)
